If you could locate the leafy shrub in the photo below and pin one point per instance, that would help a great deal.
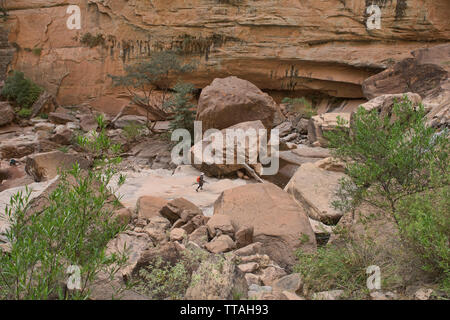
(399, 165)
(387, 158)
(21, 90)
(180, 106)
(425, 221)
(24, 113)
(160, 280)
(133, 130)
(142, 78)
(344, 268)
(99, 144)
(73, 229)
(92, 41)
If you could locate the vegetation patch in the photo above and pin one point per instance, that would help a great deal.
(21, 90)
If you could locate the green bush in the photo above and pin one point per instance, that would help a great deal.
(99, 145)
(21, 90)
(344, 268)
(92, 41)
(24, 113)
(183, 111)
(387, 157)
(400, 165)
(161, 280)
(425, 221)
(73, 229)
(133, 130)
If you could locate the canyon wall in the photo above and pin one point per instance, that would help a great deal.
(283, 46)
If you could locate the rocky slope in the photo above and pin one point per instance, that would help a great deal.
(277, 45)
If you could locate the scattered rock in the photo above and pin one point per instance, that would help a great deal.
(45, 166)
(249, 250)
(217, 278)
(322, 123)
(180, 208)
(328, 295)
(270, 274)
(221, 244)
(379, 295)
(252, 279)
(7, 113)
(178, 234)
(423, 294)
(199, 236)
(292, 283)
(286, 295)
(221, 224)
(61, 118)
(248, 267)
(148, 206)
(244, 236)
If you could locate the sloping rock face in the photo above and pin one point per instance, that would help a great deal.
(426, 74)
(313, 188)
(278, 222)
(306, 45)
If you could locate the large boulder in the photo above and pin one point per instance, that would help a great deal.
(7, 113)
(180, 208)
(314, 189)
(45, 166)
(148, 207)
(207, 163)
(228, 101)
(278, 222)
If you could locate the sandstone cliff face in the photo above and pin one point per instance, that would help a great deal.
(279, 45)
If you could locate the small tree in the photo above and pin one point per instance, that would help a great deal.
(21, 90)
(73, 229)
(387, 158)
(179, 105)
(142, 78)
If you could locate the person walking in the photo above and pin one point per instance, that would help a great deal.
(200, 181)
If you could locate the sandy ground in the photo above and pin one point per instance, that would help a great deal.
(170, 185)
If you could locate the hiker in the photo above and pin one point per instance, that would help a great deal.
(200, 181)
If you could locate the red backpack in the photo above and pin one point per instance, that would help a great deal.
(198, 179)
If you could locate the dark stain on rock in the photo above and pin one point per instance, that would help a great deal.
(400, 9)
(380, 3)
